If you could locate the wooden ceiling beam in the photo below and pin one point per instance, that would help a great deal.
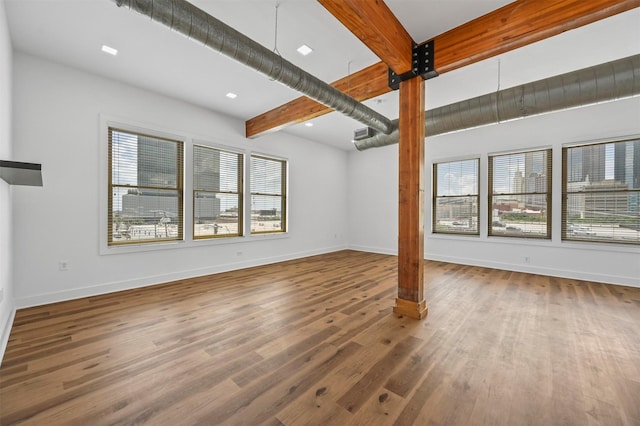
(513, 26)
(377, 27)
(362, 85)
(516, 25)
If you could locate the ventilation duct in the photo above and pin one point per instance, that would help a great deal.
(185, 18)
(600, 83)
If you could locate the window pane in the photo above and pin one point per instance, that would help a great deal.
(519, 198)
(268, 195)
(266, 176)
(602, 199)
(457, 178)
(141, 217)
(457, 215)
(266, 214)
(520, 173)
(217, 193)
(145, 202)
(157, 163)
(455, 207)
(215, 170)
(216, 214)
(519, 215)
(206, 169)
(124, 158)
(587, 163)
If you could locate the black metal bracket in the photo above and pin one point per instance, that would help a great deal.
(422, 65)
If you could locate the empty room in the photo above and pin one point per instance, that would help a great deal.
(320, 212)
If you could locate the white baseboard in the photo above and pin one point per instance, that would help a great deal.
(378, 250)
(6, 331)
(110, 287)
(561, 273)
(540, 270)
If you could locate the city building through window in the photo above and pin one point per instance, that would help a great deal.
(520, 194)
(145, 188)
(455, 197)
(601, 192)
(268, 182)
(217, 193)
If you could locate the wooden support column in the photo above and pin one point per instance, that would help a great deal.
(410, 299)
(513, 26)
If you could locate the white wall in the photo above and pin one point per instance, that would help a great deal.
(6, 237)
(373, 174)
(56, 122)
(373, 180)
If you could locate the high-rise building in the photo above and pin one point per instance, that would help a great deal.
(154, 173)
(594, 162)
(587, 161)
(627, 169)
(627, 163)
(535, 163)
(518, 182)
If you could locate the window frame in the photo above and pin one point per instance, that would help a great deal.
(548, 194)
(284, 195)
(240, 191)
(565, 225)
(127, 124)
(180, 185)
(435, 197)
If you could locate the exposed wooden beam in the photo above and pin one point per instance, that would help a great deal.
(362, 85)
(516, 25)
(410, 299)
(377, 27)
(508, 28)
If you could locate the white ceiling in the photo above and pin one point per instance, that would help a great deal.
(151, 56)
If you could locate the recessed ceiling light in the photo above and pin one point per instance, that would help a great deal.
(110, 50)
(308, 124)
(304, 50)
(231, 95)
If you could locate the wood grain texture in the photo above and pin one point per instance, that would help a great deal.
(313, 342)
(516, 25)
(365, 84)
(513, 26)
(411, 299)
(378, 28)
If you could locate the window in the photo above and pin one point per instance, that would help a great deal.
(145, 188)
(268, 195)
(601, 192)
(217, 193)
(455, 193)
(520, 194)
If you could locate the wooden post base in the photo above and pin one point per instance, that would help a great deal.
(410, 308)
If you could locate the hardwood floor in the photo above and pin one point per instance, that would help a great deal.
(314, 342)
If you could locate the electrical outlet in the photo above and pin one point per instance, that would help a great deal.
(63, 265)
(527, 259)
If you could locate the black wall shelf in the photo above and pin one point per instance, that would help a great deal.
(19, 173)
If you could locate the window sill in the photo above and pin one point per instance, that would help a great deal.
(176, 245)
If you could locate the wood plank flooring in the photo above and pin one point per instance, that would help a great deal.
(314, 342)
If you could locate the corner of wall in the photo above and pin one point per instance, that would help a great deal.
(6, 332)
(7, 309)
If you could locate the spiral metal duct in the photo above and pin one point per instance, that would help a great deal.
(612, 80)
(183, 17)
